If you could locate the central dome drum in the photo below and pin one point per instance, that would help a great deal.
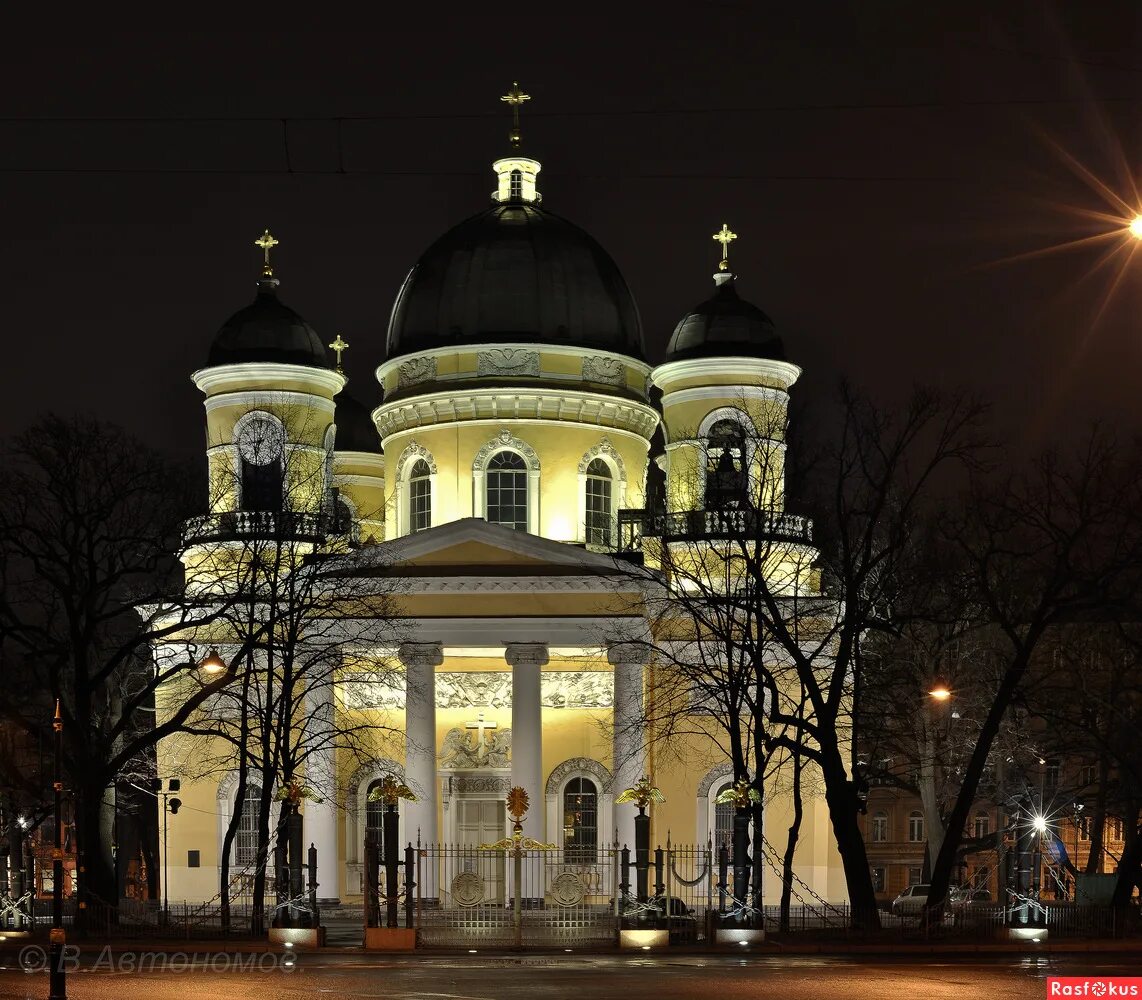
(515, 274)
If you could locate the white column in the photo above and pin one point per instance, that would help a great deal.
(629, 740)
(420, 660)
(526, 658)
(319, 819)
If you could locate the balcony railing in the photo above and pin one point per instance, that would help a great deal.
(283, 525)
(726, 523)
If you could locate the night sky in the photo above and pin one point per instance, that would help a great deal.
(879, 161)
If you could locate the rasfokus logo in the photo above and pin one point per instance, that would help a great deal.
(1094, 986)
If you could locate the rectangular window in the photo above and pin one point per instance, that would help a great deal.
(914, 874)
(193, 859)
(916, 828)
(420, 504)
(878, 879)
(880, 828)
(1088, 775)
(1051, 774)
(598, 511)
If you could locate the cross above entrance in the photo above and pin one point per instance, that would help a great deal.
(480, 725)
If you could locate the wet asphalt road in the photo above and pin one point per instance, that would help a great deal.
(263, 977)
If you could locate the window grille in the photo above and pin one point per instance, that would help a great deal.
(419, 497)
(599, 511)
(580, 821)
(506, 485)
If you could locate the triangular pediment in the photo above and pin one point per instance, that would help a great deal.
(472, 544)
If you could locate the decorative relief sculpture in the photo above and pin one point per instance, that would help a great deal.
(491, 748)
(363, 693)
(505, 438)
(492, 689)
(469, 689)
(413, 451)
(608, 370)
(415, 371)
(507, 361)
(468, 889)
(606, 449)
(465, 785)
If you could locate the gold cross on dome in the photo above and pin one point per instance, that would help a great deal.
(267, 243)
(338, 346)
(725, 237)
(515, 97)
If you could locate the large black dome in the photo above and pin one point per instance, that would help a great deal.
(515, 273)
(355, 428)
(725, 325)
(268, 330)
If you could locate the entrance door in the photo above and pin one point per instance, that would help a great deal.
(481, 821)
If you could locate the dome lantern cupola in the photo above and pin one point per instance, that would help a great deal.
(267, 330)
(725, 325)
(516, 174)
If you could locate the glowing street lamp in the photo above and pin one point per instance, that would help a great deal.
(940, 691)
(213, 664)
(1135, 227)
(1040, 824)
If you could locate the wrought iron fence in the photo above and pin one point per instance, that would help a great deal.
(468, 897)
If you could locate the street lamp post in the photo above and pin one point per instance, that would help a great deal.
(165, 790)
(57, 974)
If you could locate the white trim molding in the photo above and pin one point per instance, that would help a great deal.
(605, 451)
(782, 372)
(413, 452)
(707, 792)
(225, 377)
(561, 774)
(506, 441)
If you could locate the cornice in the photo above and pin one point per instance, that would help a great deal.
(779, 371)
(224, 378)
(505, 405)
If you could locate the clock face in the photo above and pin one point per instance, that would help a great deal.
(261, 442)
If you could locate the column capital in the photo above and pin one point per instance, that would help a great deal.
(526, 654)
(635, 653)
(421, 654)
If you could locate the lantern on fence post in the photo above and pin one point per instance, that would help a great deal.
(642, 793)
(742, 796)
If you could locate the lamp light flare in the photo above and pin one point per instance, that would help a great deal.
(213, 664)
(1135, 227)
(1040, 824)
(940, 692)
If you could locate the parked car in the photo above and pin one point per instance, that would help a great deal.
(911, 901)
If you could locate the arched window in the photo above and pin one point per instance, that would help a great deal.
(981, 826)
(599, 505)
(725, 465)
(516, 184)
(246, 840)
(580, 821)
(723, 822)
(419, 496)
(880, 828)
(260, 449)
(374, 817)
(506, 486)
(916, 827)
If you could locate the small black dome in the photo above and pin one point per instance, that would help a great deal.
(725, 325)
(515, 273)
(268, 330)
(355, 429)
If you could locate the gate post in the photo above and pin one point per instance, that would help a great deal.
(409, 884)
(517, 895)
(391, 833)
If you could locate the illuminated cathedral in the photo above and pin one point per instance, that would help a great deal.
(504, 462)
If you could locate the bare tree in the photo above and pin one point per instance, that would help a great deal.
(88, 527)
(1040, 548)
(307, 610)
